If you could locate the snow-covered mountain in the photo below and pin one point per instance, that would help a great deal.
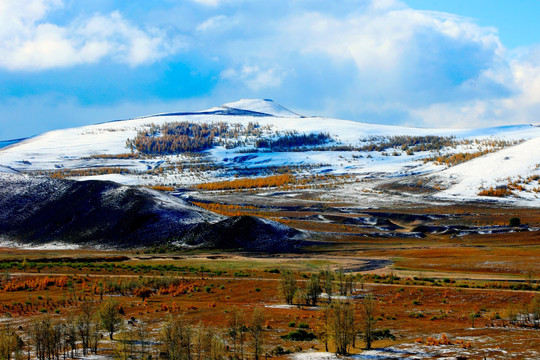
(466, 162)
(265, 106)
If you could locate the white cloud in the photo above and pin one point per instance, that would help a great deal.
(370, 60)
(209, 2)
(28, 42)
(521, 106)
(255, 77)
(382, 62)
(214, 22)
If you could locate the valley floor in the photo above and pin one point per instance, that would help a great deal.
(450, 281)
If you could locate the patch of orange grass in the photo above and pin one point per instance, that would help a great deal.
(35, 283)
(250, 183)
(498, 192)
(162, 188)
(444, 340)
(185, 287)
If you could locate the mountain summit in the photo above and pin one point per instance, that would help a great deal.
(253, 138)
(264, 106)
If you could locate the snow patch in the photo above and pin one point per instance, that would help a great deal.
(6, 243)
(265, 106)
(315, 356)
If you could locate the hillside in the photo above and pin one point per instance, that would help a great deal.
(257, 138)
(40, 211)
(516, 168)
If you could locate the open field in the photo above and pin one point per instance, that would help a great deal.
(447, 281)
(210, 286)
(440, 294)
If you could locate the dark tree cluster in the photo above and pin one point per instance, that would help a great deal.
(294, 141)
(410, 143)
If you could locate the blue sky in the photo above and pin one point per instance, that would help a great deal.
(451, 63)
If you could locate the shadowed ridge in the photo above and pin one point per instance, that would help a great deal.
(40, 210)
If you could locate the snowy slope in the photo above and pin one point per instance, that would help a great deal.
(57, 148)
(41, 211)
(494, 170)
(265, 106)
(4, 169)
(72, 148)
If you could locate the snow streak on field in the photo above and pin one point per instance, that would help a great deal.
(93, 147)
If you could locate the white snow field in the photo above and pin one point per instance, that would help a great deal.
(72, 149)
(494, 169)
(266, 106)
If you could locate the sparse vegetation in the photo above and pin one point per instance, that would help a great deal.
(213, 295)
(181, 137)
(287, 286)
(250, 183)
(502, 191)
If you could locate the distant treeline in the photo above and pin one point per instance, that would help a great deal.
(181, 137)
(261, 182)
(292, 141)
(409, 143)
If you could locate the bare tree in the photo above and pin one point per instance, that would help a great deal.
(367, 318)
(101, 290)
(349, 284)
(177, 338)
(124, 348)
(11, 344)
(256, 329)
(202, 340)
(84, 325)
(328, 282)
(313, 289)
(473, 316)
(324, 329)
(70, 335)
(95, 336)
(144, 336)
(110, 317)
(218, 350)
(343, 326)
(46, 336)
(361, 280)
(287, 286)
(300, 297)
(340, 277)
(236, 330)
(210, 345)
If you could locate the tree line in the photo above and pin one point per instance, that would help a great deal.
(342, 321)
(181, 137)
(294, 141)
(54, 339)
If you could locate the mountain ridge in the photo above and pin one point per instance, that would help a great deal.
(364, 151)
(37, 211)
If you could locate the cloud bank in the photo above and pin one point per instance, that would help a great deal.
(29, 42)
(374, 61)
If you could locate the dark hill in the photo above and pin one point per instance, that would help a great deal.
(246, 232)
(40, 210)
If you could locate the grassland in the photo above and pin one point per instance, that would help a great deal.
(438, 293)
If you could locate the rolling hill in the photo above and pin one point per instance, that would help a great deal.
(255, 138)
